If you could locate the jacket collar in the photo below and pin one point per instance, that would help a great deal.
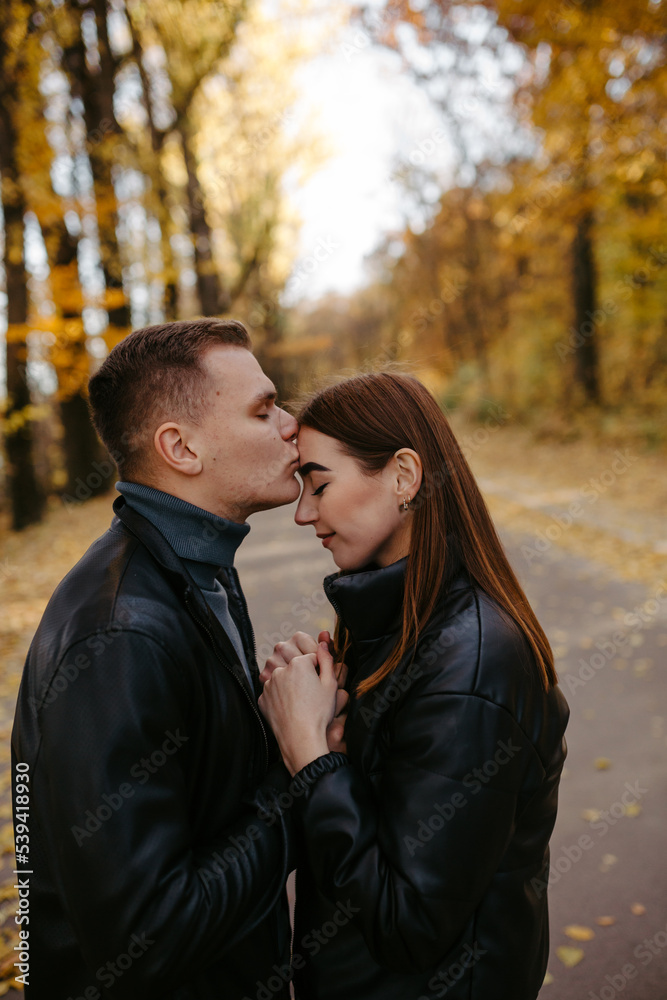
(370, 601)
(153, 539)
(181, 580)
(194, 534)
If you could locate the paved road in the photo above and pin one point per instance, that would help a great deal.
(608, 848)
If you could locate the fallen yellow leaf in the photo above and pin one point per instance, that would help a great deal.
(570, 956)
(602, 763)
(548, 979)
(638, 909)
(633, 809)
(579, 933)
(605, 921)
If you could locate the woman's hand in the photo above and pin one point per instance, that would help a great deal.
(336, 728)
(300, 705)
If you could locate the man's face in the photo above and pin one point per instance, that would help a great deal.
(246, 443)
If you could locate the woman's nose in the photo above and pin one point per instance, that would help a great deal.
(306, 511)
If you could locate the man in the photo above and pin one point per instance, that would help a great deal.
(149, 870)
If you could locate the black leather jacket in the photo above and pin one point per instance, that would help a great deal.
(149, 766)
(426, 852)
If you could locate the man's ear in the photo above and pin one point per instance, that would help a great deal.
(178, 449)
(409, 472)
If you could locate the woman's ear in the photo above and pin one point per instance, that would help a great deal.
(172, 447)
(409, 473)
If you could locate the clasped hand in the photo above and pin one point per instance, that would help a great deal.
(304, 708)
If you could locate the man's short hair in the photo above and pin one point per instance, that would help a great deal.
(153, 375)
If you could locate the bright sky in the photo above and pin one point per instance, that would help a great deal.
(374, 117)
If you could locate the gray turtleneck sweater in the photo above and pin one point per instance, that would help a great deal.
(205, 542)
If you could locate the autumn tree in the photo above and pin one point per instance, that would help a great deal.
(248, 139)
(595, 65)
(194, 36)
(26, 494)
(147, 139)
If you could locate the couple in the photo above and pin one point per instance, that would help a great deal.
(408, 769)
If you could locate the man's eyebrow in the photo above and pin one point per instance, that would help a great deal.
(304, 470)
(265, 396)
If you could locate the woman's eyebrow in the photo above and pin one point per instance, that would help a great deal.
(303, 470)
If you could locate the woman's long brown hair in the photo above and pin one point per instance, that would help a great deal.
(373, 415)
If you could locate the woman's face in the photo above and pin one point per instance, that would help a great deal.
(357, 516)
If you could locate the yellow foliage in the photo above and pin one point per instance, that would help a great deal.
(300, 347)
(19, 418)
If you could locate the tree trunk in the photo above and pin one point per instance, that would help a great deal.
(584, 287)
(160, 189)
(26, 494)
(169, 268)
(472, 302)
(82, 451)
(89, 470)
(211, 298)
(96, 91)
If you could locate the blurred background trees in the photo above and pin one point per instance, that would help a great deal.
(143, 146)
(539, 279)
(534, 273)
(147, 148)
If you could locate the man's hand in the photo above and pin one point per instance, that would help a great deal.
(300, 705)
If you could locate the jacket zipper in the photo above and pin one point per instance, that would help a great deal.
(244, 603)
(239, 682)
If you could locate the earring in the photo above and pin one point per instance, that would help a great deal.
(406, 503)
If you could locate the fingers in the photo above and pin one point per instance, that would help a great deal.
(307, 661)
(266, 672)
(336, 735)
(326, 664)
(284, 652)
(304, 642)
(342, 698)
(325, 636)
(341, 674)
(271, 664)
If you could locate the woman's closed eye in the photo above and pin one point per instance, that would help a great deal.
(319, 490)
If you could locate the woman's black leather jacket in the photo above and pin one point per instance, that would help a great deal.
(424, 865)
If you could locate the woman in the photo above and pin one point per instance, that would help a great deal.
(425, 845)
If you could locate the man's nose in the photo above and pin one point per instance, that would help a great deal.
(289, 427)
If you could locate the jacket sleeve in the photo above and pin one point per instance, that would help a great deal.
(117, 831)
(415, 851)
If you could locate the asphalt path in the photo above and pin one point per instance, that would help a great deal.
(609, 845)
